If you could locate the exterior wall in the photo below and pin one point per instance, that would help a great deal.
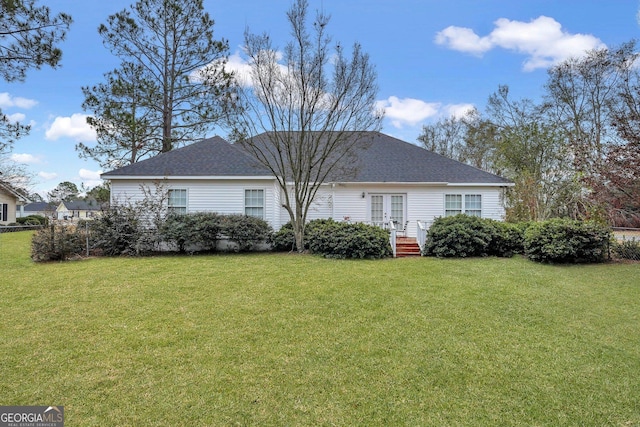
(10, 201)
(339, 201)
(423, 202)
(221, 196)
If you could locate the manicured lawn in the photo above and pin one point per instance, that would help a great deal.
(272, 339)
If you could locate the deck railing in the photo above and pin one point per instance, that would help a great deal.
(421, 234)
(392, 237)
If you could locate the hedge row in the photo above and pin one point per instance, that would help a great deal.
(334, 239)
(470, 236)
(553, 241)
(121, 231)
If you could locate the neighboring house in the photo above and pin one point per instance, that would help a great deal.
(11, 200)
(45, 209)
(394, 181)
(75, 210)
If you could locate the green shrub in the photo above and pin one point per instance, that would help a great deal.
(627, 249)
(567, 241)
(509, 238)
(284, 239)
(32, 220)
(118, 232)
(344, 240)
(57, 243)
(197, 231)
(245, 231)
(460, 236)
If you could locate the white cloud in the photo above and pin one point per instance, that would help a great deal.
(90, 178)
(543, 41)
(74, 127)
(6, 101)
(86, 174)
(48, 175)
(407, 111)
(16, 117)
(463, 40)
(457, 110)
(25, 158)
(240, 68)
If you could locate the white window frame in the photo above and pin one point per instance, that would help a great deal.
(177, 208)
(468, 204)
(256, 206)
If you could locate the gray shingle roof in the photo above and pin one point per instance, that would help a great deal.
(385, 159)
(39, 207)
(209, 157)
(82, 205)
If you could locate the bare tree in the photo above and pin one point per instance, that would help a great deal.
(311, 110)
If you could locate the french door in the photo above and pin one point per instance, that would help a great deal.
(387, 207)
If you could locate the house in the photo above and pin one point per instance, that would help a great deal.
(11, 200)
(75, 210)
(393, 181)
(45, 209)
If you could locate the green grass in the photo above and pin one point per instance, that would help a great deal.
(273, 339)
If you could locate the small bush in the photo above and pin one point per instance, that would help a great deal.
(196, 232)
(343, 240)
(57, 243)
(284, 239)
(32, 220)
(628, 249)
(460, 236)
(567, 241)
(245, 231)
(509, 238)
(118, 232)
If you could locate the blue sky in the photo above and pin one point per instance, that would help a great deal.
(434, 58)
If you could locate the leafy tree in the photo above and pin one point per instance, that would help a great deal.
(311, 108)
(594, 99)
(28, 39)
(531, 151)
(171, 87)
(100, 193)
(65, 191)
(127, 129)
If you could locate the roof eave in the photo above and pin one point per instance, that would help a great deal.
(184, 177)
(429, 183)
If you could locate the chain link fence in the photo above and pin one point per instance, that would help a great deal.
(627, 245)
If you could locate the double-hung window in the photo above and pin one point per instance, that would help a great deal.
(469, 204)
(254, 203)
(178, 201)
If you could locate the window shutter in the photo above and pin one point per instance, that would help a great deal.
(5, 214)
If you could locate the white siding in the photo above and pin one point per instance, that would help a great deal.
(423, 202)
(221, 196)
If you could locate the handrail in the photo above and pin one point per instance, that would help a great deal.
(392, 237)
(422, 234)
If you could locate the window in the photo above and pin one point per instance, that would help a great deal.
(4, 211)
(473, 204)
(452, 204)
(470, 204)
(254, 203)
(178, 201)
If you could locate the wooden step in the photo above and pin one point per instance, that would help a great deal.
(407, 247)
